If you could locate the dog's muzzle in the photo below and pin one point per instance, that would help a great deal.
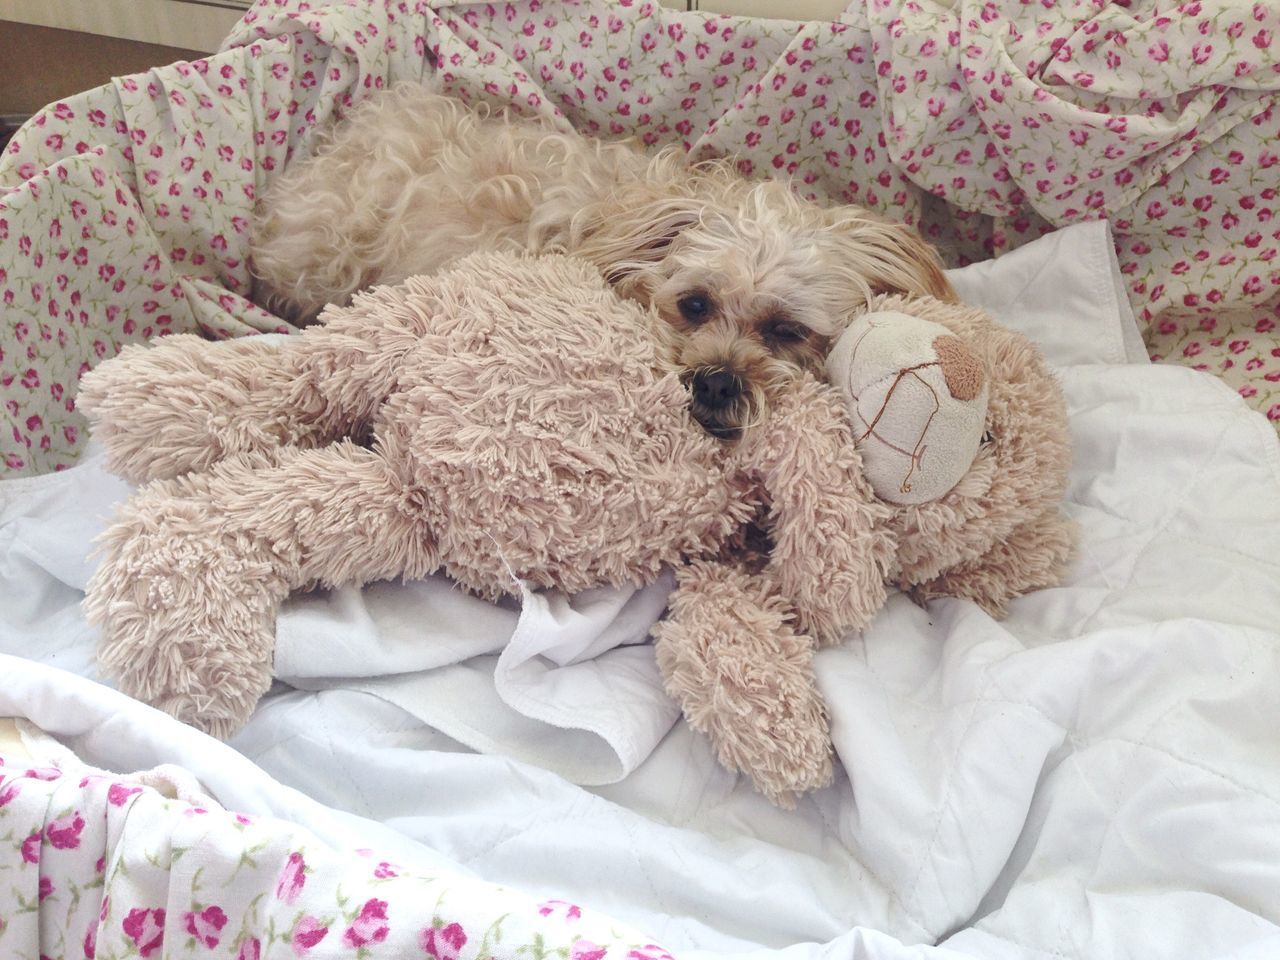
(716, 389)
(717, 395)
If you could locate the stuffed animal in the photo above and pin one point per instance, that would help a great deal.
(918, 397)
(512, 420)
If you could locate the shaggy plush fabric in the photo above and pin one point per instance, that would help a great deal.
(512, 420)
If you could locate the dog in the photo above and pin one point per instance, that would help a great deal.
(753, 280)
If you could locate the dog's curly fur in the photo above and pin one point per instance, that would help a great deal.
(755, 278)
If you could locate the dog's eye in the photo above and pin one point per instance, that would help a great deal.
(784, 332)
(695, 307)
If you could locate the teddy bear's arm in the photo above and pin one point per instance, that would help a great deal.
(832, 546)
(731, 656)
(184, 403)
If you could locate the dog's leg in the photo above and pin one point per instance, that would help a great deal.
(194, 568)
(743, 676)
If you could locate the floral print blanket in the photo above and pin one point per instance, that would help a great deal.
(106, 868)
(124, 211)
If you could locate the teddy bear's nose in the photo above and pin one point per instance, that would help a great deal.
(716, 389)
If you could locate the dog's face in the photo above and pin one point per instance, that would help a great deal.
(755, 299)
(752, 283)
(749, 316)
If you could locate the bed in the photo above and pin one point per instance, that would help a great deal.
(1097, 775)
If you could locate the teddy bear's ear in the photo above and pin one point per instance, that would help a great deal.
(832, 544)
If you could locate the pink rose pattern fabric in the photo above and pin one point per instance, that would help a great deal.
(124, 211)
(94, 866)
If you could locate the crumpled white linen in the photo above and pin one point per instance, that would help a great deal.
(560, 683)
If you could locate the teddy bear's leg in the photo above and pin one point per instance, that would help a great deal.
(743, 676)
(184, 403)
(194, 568)
(1032, 556)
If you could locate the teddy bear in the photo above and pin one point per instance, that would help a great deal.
(513, 421)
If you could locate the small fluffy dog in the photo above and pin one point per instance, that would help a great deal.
(753, 280)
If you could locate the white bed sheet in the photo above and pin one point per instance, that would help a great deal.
(1096, 776)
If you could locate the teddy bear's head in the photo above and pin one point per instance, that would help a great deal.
(963, 429)
(917, 396)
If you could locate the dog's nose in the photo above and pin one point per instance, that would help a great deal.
(716, 389)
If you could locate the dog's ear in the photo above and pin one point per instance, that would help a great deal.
(630, 231)
(627, 235)
(885, 257)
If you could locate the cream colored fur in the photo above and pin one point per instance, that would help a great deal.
(412, 181)
(513, 418)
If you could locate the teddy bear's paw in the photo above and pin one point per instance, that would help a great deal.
(221, 715)
(182, 404)
(210, 676)
(148, 408)
(187, 612)
(211, 685)
(744, 677)
(782, 743)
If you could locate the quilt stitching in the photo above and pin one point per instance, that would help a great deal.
(926, 855)
(1121, 794)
